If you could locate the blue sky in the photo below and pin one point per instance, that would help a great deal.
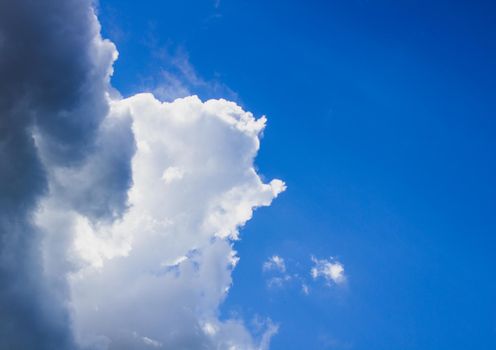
(381, 120)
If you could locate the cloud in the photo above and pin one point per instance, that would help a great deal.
(54, 97)
(305, 289)
(329, 270)
(176, 77)
(187, 225)
(151, 342)
(279, 281)
(276, 268)
(280, 275)
(275, 262)
(117, 216)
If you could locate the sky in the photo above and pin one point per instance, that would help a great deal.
(358, 215)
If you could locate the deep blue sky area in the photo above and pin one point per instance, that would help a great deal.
(382, 122)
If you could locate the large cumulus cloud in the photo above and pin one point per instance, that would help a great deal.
(117, 216)
(158, 274)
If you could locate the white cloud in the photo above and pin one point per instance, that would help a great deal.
(275, 262)
(279, 275)
(270, 330)
(276, 268)
(279, 281)
(305, 289)
(163, 268)
(329, 270)
(151, 342)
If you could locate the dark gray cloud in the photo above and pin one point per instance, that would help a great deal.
(54, 71)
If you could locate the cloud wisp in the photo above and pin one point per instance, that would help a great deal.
(117, 216)
(275, 262)
(282, 275)
(330, 270)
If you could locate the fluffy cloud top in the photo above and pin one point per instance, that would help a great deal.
(117, 215)
(162, 269)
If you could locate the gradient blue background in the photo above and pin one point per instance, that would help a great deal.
(382, 123)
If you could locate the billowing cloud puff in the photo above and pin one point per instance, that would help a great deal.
(117, 216)
(156, 276)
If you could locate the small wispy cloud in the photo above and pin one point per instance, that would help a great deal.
(279, 281)
(276, 266)
(275, 262)
(305, 289)
(330, 270)
(178, 78)
(281, 275)
(151, 342)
